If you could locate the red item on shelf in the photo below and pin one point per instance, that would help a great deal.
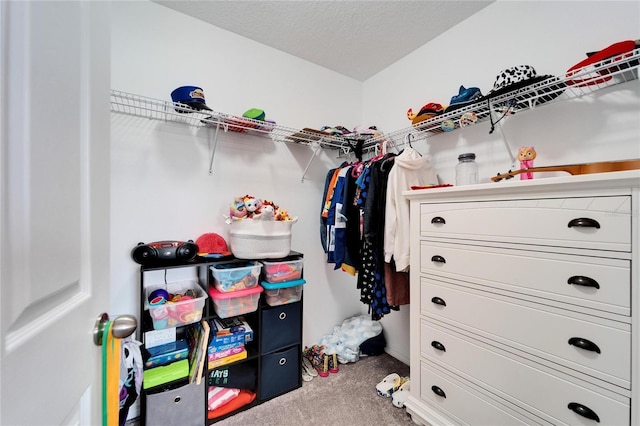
(244, 397)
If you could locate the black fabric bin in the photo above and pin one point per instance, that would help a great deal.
(281, 327)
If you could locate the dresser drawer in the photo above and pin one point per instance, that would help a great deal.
(538, 391)
(543, 331)
(598, 283)
(590, 222)
(459, 402)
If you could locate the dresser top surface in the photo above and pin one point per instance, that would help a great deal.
(586, 184)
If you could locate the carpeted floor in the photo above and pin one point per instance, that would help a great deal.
(347, 397)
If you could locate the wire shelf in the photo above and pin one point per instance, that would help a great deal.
(156, 109)
(581, 82)
(584, 81)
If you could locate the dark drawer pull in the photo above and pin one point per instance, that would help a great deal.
(438, 258)
(438, 301)
(583, 411)
(439, 346)
(585, 344)
(439, 220)
(584, 281)
(584, 222)
(438, 391)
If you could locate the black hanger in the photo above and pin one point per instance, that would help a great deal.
(407, 138)
(358, 148)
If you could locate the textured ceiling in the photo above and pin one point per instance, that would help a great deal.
(354, 38)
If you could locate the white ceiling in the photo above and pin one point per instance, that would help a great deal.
(354, 38)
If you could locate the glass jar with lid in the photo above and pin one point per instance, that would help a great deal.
(467, 169)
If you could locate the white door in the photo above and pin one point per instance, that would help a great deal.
(54, 207)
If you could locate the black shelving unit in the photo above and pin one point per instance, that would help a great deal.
(274, 354)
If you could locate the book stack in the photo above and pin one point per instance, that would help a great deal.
(197, 336)
(178, 362)
(228, 339)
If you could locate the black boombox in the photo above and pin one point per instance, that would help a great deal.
(164, 251)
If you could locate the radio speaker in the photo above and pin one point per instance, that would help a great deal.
(164, 251)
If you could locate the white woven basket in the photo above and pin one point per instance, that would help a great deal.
(260, 239)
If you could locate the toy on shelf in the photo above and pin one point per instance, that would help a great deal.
(526, 155)
(467, 119)
(237, 210)
(250, 207)
(263, 234)
(267, 211)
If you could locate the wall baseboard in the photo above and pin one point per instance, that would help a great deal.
(397, 355)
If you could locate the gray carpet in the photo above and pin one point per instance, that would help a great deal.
(345, 398)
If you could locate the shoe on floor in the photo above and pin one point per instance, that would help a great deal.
(306, 377)
(333, 363)
(399, 397)
(307, 367)
(323, 367)
(388, 385)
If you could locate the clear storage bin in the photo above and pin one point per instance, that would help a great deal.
(187, 310)
(283, 293)
(235, 302)
(276, 272)
(235, 276)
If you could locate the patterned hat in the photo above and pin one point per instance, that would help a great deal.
(513, 79)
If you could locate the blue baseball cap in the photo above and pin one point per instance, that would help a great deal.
(190, 95)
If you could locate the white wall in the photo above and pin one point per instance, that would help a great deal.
(161, 188)
(549, 35)
(160, 185)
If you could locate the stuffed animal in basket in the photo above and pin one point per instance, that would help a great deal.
(267, 212)
(282, 214)
(252, 205)
(237, 209)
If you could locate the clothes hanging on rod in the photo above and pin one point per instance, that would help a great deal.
(352, 226)
(410, 169)
(365, 224)
(371, 279)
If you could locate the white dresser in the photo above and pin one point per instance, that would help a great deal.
(525, 302)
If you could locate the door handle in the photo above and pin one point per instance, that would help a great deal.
(123, 326)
